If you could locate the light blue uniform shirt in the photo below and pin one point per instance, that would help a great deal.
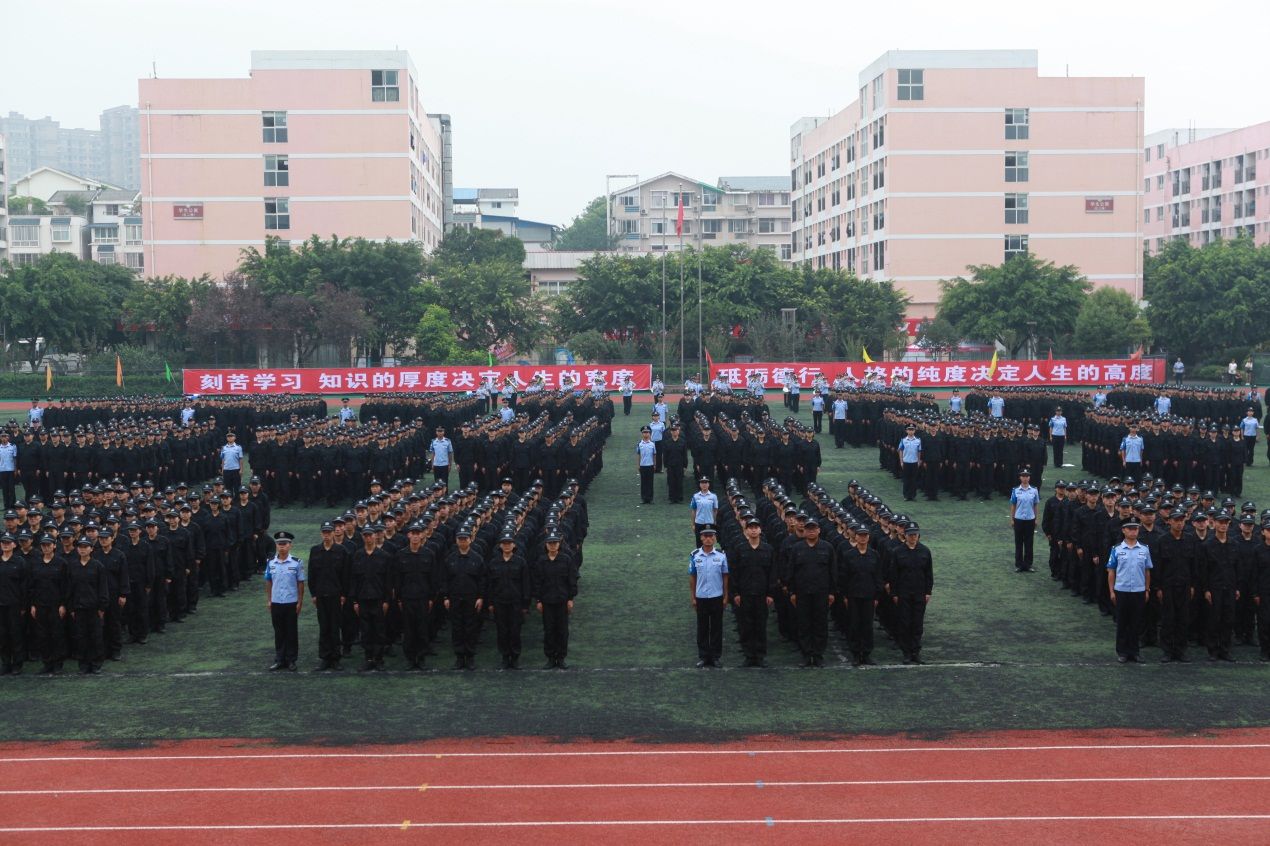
(347, 414)
(8, 458)
(954, 403)
(1058, 426)
(35, 414)
(1249, 426)
(231, 456)
(839, 409)
(1100, 399)
(1131, 564)
(662, 410)
(1025, 500)
(996, 406)
(284, 578)
(704, 505)
(1132, 446)
(910, 449)
(1162, 405)
(817, 403)
(658, 428)
(709, 568)
(506, 414)
(441, 448)
(647, 451)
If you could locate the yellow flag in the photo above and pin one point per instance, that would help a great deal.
(992, 368)
(118, 371)
(867, 360)
(48, 376)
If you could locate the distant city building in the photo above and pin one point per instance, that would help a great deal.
(1203, 184)
(953, 158)
(309, 143)
(552, 271)
(4, 204)
(109, 154)
(101, 224)
(497, 209)
(750, 210)
(43, 182)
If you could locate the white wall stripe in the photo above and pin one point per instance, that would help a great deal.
(1073, 151)
(1001, 194)
(1000, 110)
(281, 151)
(348, 198)
(273, 109)
(1035, 236)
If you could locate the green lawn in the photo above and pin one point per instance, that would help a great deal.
(1006, 651)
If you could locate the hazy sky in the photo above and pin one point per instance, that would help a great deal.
(550, 95)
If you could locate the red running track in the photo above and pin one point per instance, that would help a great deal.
(1035, 787)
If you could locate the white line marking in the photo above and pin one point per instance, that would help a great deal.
(634, 753)
(635, 823)
(626, 785)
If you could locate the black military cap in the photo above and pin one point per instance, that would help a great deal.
(554, 537)
(1131, 524)
(464, 532)
(1223, 517)
(328, 527)
(66, 533)
(1247, 520)
(912, 529)
(47, 538)
(106, 532)
(507, 537)
(368, 529)
(283, 536)
(151, 522)
(1025, 472)
(8, 537)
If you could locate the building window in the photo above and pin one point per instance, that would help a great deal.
(879, 216)
(277, 213)
(686, 198)
(768, 225)
(275, 127)
(1159, 214)
(879, 133)
(131, 233)
(277, 171)
(710, 228)
(383, 86)
(1016, 208)
(912, 86)
(879, 255)
(106, 235)
(709, 199)
(26, 236)
(628, 227)
(739, 226)
(107, 258)
(1159, 182)
(61, 233)
(1015, 245)
(879, 175)
(1217, 174)
(1016, 167)
(24, 259)
(1016, 124)
(659, 199)
(630, 202)
(135, 261)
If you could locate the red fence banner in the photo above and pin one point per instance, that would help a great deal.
(372, 380)
(931, 374)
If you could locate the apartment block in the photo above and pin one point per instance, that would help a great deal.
(309, 143)
(108, 154)
(1203, 184)
(750, 210)
(4, 204)
(953, 158)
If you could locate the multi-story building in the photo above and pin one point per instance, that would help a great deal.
(552, 271)
(109, 154)
(44, 182)
(751, 210)
(310, 143)
(954, 158)
(33, 236)
(1205, 184)
(115, 229)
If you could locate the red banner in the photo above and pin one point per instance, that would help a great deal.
(373, 380)
(931, 374)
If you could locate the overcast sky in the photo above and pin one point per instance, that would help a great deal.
(548, 96)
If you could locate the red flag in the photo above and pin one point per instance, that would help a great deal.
(1051, 354)
(679, 221)
(709, 362)
(1136, 354)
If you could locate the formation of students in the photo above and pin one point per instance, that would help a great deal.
(1207, 404)
(112, 563)
(1204, 578)
(404, 563)
(1032, 406)
(852, 562)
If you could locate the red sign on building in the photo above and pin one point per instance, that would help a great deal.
(187, 211)
(1100, 205)
(340, 380)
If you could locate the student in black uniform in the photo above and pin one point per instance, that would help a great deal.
(752, 567)
(555, 584)
(368, 589)
(464, 583)
(87, 596)
(328, 574)
(413, 585)
(862, 581)
(508, 590)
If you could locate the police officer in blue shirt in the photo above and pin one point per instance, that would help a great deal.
(910, 450)
(708, 578)
(1248, 426)
(8, 470)
(284, 587)
(955, 401)
(1129, 580)
(1131, 448)
(1058, 435)
(645, 462)
(1023, 504)
(439, 453)
(996, 405)
(838, 422)
(231, 462)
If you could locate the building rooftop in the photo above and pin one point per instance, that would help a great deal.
(754, 183)
(498, 193)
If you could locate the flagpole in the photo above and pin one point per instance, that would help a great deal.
(701, 246)
(680, 227)
(663, 291)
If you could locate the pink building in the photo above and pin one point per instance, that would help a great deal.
(953, 158)
(309, 143)
(1205, 184)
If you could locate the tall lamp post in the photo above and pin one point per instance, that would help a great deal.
(789, 316)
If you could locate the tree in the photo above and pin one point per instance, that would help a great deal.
(1109, 323)
(435, 336)
(473, 246)
(1209, 298)
(69, 304)
(1015, 301)
(592, 346)
(489, 302)
(161, 306)
(613, 294)
(938, 337)
(229, 319)
(22, 204)
(586, 232)
(859, 314)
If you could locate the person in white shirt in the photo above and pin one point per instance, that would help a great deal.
(35, 414)
(628, 392)
(704, 505)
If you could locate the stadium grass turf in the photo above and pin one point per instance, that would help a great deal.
(1006, 651)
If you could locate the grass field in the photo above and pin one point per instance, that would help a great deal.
(1005, 651)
